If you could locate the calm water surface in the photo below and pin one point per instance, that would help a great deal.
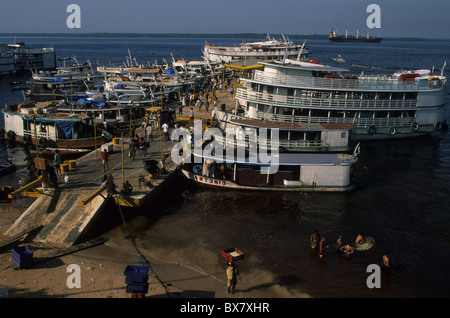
(402, 199)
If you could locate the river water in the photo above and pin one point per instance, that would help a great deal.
(402, 199)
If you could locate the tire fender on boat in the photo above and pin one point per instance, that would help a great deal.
(11, 135)
(437, 125)
(372, 130)
(414, 126)
(42, 142)
(392, 131)
(26, 139)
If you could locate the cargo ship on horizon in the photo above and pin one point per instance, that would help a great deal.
(335, 37)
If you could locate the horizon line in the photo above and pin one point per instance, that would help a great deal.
(179, 34)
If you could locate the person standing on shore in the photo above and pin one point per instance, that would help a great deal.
(57, 159)
(232, 276)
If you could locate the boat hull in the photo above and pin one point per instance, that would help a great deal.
(226, 184)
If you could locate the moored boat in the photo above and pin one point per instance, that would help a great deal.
(271, 49)
(295, 172)
(47, 128)
(404, 104)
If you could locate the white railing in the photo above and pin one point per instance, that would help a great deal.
(376, 83)
(268, 143)
(39, 134)
(325, 103)
(359, 122)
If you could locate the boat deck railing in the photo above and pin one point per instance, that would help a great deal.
(264, 143)
(366, 83)
(39, 134)
(359, 122)
(325, 103)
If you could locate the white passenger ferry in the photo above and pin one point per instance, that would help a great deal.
(271, 49)
(401, 105)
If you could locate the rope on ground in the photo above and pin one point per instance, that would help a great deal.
(141, 257)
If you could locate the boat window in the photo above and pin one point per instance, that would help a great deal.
(366, 115)
(381, 114)
(270, 89)
(287, 111)
(319, 113)
(290, 92)
(394, 114)
(383, 96)
(283, 134)
(397, 95)
(334, 113)
(313, 135)
(297, 135)
(301, 112)
(411, 95)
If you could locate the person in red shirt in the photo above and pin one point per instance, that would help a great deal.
(105, 157)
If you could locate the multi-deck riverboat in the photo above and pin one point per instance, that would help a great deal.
(403, 104)
(271, 49)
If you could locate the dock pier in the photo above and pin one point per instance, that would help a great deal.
(63, 213)
(66, 211)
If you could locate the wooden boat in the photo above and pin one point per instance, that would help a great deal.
(304, 172)
(49, 128)
(65, 153)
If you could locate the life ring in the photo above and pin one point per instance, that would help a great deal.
(42, 142)
(372, 130)
(11, 135)
(414, 126)
(26, 139)
(392, 131)
(437, 125)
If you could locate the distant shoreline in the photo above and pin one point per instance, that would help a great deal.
(211, 35)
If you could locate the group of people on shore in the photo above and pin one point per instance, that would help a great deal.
(318, 242)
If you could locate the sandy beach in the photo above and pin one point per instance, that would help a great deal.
(102, 271)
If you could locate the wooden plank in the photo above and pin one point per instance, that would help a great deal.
(10, 241)
(92, 196)
(71, 249)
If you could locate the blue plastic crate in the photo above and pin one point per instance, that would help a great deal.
(137, 288)
(136, 280)
(136, 273)
(22, 256)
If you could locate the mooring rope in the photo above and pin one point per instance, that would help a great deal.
(141, 257)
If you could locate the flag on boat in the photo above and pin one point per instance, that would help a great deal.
(357, 151)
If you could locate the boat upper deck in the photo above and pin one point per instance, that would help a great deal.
(292, 126)
(282, 159)
(300, 75)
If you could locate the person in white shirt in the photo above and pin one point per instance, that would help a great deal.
(165, 128)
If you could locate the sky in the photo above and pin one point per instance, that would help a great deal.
(399, 18)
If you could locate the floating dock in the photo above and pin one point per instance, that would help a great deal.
(65, 212)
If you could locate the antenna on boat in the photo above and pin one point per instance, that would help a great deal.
(301, 51)
(443, 68)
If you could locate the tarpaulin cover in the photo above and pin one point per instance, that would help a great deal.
(100, 104)
(66, 126)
